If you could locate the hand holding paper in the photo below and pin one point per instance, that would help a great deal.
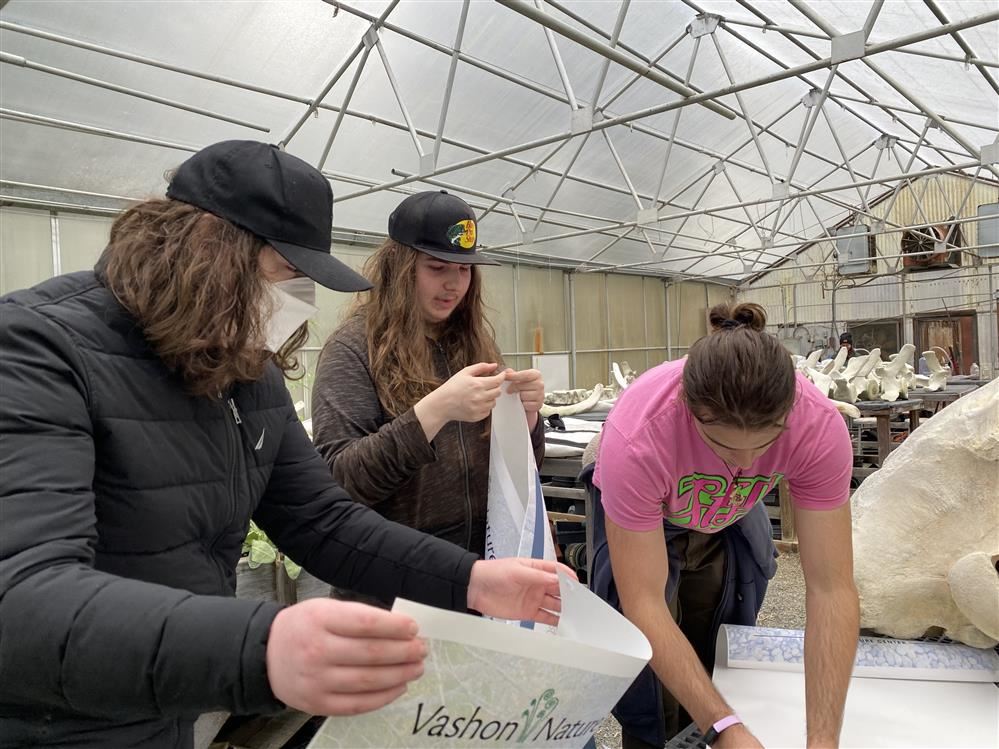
(529, 386)
(329, 657)
(517, 589)
(468, 395)
(489, 685)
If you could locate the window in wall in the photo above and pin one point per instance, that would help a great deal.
(591, 311)
(25, 248)
(655, 321)
(956, 334)
(592, 361)
(498, 294)
(82, 239)
(540, 312)
(884, 334)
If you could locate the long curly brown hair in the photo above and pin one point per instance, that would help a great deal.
(192, 281)
(401, 361)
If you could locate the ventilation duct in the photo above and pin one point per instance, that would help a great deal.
(933, 246)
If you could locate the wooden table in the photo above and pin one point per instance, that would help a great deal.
(945, 396)
(883, 411)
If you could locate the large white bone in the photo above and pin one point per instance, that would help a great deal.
(871, 391)
(917, 520)
(894, 380)
(821, 380)
(903, 357)
(975, 587)
(843, 388)
(576, 408)
(847, 409)
(872, 360)
(866, 386)
(813, 358)
(938, 373)
(619, 376)
(566, 397)
(836, 364)
(846, 384)
(854, 366)
(892, 385)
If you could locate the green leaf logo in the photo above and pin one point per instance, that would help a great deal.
(539, 709)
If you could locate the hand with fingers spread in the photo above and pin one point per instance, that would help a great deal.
(531, 388)
(328, 657)
(517, 589)
(469, 395)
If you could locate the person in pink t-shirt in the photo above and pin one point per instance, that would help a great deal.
(695, 444)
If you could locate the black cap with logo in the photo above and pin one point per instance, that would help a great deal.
(271, 194)
(439, 224)
(846, 338)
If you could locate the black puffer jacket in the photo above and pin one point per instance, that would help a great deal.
(123, 505)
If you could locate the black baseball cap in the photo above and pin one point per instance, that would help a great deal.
(439, 224)
(846, 337)
(270, 193)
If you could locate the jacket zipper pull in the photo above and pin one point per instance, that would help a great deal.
(235, 411)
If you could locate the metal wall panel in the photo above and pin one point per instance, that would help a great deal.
(871, 298)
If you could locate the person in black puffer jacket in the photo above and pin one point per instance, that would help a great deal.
(143, 422)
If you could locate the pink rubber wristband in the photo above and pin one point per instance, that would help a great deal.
(726, 722)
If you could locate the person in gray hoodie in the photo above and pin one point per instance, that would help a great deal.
(404, 388)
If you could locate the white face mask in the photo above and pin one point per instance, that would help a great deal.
(289, 310)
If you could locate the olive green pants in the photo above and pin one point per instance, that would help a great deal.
(692, 606)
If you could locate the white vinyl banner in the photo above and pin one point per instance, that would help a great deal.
(516, 518)
(489, 685)
(903, 693)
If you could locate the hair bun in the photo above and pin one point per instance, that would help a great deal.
(751, 315)
(730, 316)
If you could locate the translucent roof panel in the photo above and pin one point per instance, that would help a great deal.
(571, 130)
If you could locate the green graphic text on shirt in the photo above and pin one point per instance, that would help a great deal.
(712, 502)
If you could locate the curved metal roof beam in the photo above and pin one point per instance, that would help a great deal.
(615, 55)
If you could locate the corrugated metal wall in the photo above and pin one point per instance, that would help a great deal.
(804, 295)
(687, 305)
(616, 317)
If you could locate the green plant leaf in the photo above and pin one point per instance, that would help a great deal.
(261, 552)
(253, 534)
(293, 570)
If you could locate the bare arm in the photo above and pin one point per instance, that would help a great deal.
(833, 618)
(641, 567)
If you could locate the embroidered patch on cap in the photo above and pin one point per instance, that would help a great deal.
(462, 234)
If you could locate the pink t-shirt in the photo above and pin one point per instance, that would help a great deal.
(653, 464)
